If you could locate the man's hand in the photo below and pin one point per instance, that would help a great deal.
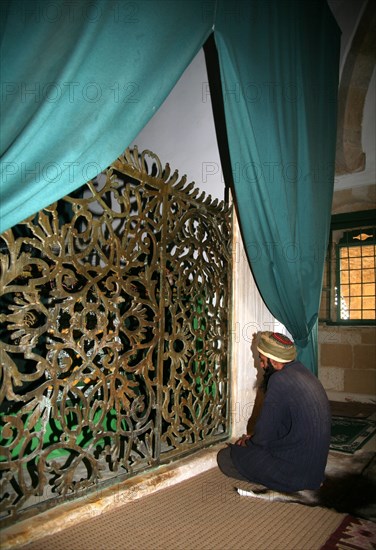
(242, 441)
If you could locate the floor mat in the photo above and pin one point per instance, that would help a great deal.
(350, 434)
(352, 534)
(204, 512)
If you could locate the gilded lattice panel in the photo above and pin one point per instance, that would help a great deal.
(114, 333)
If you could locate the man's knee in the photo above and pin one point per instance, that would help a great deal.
(224, 460)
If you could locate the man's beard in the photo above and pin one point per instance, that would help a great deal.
(268, 371)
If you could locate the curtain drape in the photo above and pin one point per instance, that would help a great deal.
(81, 79)
(280, 85)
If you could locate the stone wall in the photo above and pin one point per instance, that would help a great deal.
(347, 362)
(354, 199)
(347, 355)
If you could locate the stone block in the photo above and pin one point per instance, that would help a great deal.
(360, 381)
(365, 357)
(329, 335)
(336, 355)
(350, 336)
(332, 378)
(369, 336)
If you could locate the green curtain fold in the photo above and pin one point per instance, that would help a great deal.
(80, 80)
(280, 84)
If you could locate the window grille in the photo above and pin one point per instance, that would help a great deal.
(348, 295)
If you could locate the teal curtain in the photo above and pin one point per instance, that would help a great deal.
(81, 79)
(279, 82)
(79, 82)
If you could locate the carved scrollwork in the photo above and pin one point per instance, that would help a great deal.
(113, 332)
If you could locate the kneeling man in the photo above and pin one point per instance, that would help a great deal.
(289, 448)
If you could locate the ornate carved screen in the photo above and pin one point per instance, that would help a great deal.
(114, 333)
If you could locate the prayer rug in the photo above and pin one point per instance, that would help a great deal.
(350, 434)
(352, 534)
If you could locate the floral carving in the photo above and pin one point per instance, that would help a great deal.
(113, 332)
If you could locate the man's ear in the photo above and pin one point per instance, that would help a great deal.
(276, 364)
